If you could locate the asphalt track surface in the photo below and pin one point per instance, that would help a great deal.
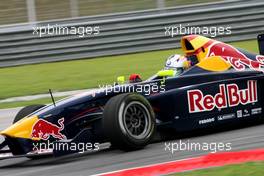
(108, 160)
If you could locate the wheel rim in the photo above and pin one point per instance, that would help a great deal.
(137, 120)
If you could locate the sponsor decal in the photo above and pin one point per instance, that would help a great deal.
(243, 113)
(229, 96)
(241, 63)
(236, 58)
(239, 114)
(204, 121)
(226, 116)
(256, 111)
(43, 129)
(177, 117)
(246, 113)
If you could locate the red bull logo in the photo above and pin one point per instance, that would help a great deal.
(229, 96)
(235, 58)
(43, 129)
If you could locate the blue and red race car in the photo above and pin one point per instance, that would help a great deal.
(212, 84)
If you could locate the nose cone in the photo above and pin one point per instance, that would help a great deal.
(21, 129)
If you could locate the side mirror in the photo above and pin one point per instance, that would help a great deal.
(120, 80)
(165, 73)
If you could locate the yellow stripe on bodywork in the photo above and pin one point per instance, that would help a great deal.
(214, 63)
(202, 55)
(197, 43)
(21, 129)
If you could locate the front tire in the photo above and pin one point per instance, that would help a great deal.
(129, 121)
(26, 111)
(23, 113)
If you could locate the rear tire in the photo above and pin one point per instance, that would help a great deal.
(129, 121)
(26, 111)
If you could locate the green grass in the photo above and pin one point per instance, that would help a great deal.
(246, 169)
(82, 74)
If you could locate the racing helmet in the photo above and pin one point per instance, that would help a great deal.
(177, 63)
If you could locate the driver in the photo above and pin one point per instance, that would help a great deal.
(179, 63)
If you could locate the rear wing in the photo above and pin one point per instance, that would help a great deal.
(261, 43)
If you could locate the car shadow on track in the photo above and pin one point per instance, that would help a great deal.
(169, 135)
(106, 150)
(50, 160)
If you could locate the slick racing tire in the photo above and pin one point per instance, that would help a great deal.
(23, 113)
(129, 121)
(26, 111)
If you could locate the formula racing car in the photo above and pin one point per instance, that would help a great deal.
(213, 84)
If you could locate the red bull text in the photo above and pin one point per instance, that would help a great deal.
(229, 96)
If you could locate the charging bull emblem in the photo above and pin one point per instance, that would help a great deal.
(236, 58)
(43, 129)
